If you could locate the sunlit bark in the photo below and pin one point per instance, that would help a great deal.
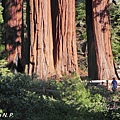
(65, 54)
(102, 51)
(41, 41)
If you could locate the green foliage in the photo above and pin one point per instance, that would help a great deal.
(75, 93)
(113, 114)
(80, 10)
(81, 20)
(81, 33)
(1, 18)
(1, 33)
(4, 71)
(67, 99)
(1, 21)
(115, 31)
(26, 104)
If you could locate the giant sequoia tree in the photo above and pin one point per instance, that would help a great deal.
(41, 41)
(52, 38)
(13, 31)
(100, 58)
(64, 35)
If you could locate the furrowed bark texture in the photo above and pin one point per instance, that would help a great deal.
(41, 46)
(13, 29)
(101, 27)
(65, 54)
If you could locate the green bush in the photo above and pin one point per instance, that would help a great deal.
(17, 96)
(4, 71)
(32, 99)
(74, 92)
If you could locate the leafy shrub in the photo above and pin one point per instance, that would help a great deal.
(67, 99)
(17, 96)
(4, 71)
(75, 93)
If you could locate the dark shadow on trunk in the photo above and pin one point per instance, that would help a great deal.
(54, 13)
(92, 65)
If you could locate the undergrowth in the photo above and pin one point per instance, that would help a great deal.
(31, 99)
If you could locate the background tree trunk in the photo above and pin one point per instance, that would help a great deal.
(41, 41)
(102, 36)
(65, 53)
(13, 31)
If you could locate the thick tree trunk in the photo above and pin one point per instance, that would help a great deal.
(101, 27)
(13, 30)
(41, 41)
(65, 53)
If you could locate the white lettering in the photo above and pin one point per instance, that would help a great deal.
(11, 115)
(4, 115)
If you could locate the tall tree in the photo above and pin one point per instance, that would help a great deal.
(52, 49)
(13, 31)
(52, 43)
(41, 41)
(65, 53)
(99, 46)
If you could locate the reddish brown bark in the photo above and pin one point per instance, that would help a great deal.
(101, 27)
(13, 29)
(42, 60)
(65, 54)
(41, 47)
